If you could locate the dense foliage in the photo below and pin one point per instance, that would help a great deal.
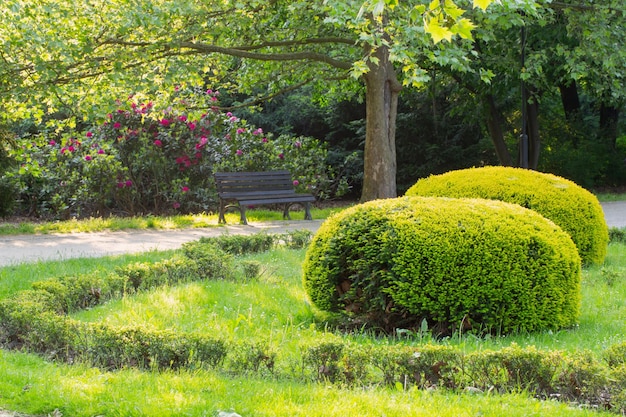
(145, 160)
(570, 206)
(462, 264)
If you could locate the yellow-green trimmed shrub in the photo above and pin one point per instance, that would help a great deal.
(570, 206)
(456, 263)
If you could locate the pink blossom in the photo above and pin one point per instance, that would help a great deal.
(258, 131)
(213, 98)
(176, 205)
(71, 148)
(100, 151)
(52, 143)
(209, 91)
(229, 114)
(63, 150)
(264, 140)
(296, 183)
(185, 189)
(298, 144)
(240, 130)
(239, 152)
(129, 183)
(88, 158)
(281, 155)
(120, 185)
(182, 118)
(158, 143)
(89, 134)
(203, 141)
(165, 122)
(117, 125)
(191, 126)
(233, 119)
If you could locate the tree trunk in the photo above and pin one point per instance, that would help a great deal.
(609, 116)
(381, 96)
(534, 139)
(570, 101)
(494, 125)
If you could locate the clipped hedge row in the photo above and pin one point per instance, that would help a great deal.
(36, 320)
(578, 377)
(483, 265)
(570, 206)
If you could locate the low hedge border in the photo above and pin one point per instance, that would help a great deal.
(36, 321)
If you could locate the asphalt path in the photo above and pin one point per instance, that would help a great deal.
(35, 248)
(60, 246)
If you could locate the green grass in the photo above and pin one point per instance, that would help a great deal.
(611, 196)
(273, 309)
(32, 385)
(98, 224)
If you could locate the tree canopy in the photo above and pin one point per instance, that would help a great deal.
(75, 59)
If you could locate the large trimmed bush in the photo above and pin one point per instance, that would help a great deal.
(486, 265)
(570, 206)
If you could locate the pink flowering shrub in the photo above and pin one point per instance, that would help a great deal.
(144, 160)
(65, 176)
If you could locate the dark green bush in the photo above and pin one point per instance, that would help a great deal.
(483, 265)
(513, 369)
(8, 197)
(425, 366)
(570, 206)
(239, 244)
(18, 313)
(583, 378)
(617, 235)
(212, 262)
(251, 357)
(116, 348)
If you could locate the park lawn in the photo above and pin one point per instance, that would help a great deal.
(273, 309)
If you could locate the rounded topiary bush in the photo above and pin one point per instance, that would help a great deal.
(570, 206)
(486, 265)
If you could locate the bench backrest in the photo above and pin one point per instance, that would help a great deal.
(235, 183)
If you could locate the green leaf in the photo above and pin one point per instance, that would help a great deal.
(463, 28)
(437, 31)
(483, 4)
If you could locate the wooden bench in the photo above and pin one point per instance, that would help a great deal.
(259, 188)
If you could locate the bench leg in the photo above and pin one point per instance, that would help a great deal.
(244, 220)
(307, 212)
(286, 215)
(221, 219)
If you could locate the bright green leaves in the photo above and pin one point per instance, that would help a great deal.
(443, 21)
(482, 4)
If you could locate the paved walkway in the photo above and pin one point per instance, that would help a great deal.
(33, 248)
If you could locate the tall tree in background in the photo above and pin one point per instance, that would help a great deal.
(67, 55)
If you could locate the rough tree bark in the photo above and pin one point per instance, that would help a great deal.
(381, 96)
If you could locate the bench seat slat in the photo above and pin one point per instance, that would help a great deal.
(296, 199)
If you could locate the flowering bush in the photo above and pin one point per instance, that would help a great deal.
(142, 160)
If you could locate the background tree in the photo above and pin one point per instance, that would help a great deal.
(64, 57)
